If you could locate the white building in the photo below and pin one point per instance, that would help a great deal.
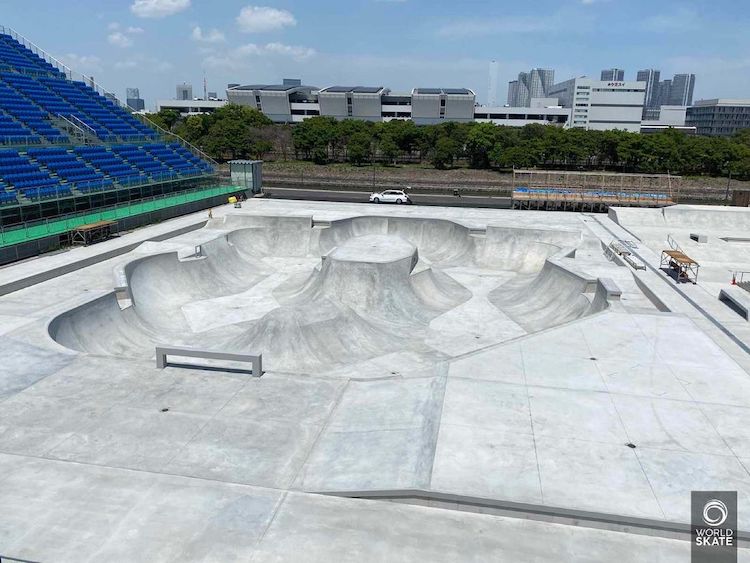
(190, 107)
(602, 105)
(670, 117)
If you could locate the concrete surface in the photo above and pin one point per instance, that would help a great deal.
(469, 352)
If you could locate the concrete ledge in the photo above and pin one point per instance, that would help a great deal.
(571, 517)
(74, 265)
(697, 237)
(162, 351)
(738, 299)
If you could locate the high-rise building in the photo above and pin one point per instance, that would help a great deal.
(613, 75)
(513, 93)
(492, 85)
(133, 99)
(533, 84)
(664, 92)
(681, 90)
(651, 77)
(675, 91)
(184, 91)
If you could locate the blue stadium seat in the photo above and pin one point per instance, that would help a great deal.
(34, 95)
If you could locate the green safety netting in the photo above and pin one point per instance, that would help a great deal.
(27, 233)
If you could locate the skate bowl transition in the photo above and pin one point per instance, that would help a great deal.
(318, 297)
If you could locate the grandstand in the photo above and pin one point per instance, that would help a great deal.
(67, 146)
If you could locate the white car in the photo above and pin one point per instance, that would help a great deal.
(390, 196)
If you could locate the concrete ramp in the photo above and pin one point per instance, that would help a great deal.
(523, 250)
(556, 295)
(438, 241)
(382, 286)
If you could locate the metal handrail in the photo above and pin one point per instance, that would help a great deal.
(82, 124)
(99, 89)
(71, 124)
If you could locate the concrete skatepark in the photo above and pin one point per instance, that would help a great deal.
(440, 384)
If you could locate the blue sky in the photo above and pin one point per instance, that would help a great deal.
(155, 44)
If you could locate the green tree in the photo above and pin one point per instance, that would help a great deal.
(313, 138)
(479, 142)
(388, 149)
(444, 152)
(359, 148)
(165, 118)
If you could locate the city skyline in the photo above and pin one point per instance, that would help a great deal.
(155, 44)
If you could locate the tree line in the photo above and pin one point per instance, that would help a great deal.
(235, 131)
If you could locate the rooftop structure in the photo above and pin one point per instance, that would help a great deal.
(613, 74)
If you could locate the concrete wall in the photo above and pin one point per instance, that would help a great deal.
(333, 104)
(425, 107)
(275, 105)
(366, 106)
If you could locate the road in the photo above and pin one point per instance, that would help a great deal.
(363, 197)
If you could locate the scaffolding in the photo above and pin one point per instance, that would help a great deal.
(591, 191)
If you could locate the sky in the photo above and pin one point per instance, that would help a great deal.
(156, 44)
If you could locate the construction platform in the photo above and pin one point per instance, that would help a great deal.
(439, 384)
(591, 191)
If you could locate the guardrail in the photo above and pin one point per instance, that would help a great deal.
(256, 360)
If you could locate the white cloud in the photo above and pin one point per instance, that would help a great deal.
(119, 39)
(158, 8)
(240, 56)
(134, 30)
(122, 65)
(144, 63)
(210, 36)
(294, 51)
(683, 19)
(255, 19)
(82, 63)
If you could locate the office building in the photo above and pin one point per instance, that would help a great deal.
(184, 92)
(133, 99)
(719, 117)
(668, 117)
(292, 104)
(651, 77)
(680, 91)
(600, 104)
(492, 84)
(512, 92)
(190, 107)
(613, 75)
(533, 84)
(675, 91)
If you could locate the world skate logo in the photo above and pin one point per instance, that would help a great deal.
(715, 512)
(714, 526)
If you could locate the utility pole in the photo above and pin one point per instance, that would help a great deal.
(729, 181)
